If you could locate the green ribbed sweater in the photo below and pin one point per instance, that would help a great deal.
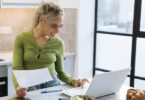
(26, 51)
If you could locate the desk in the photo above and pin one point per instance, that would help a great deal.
(36, 95)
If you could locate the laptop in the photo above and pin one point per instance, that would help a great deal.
(102, 84)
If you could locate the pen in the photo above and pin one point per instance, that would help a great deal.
(51, 91)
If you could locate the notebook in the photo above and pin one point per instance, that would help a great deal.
(102, 84)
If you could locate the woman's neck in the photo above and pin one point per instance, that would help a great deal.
(39, 37)
(38, 32)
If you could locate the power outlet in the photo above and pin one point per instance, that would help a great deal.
(5, 30)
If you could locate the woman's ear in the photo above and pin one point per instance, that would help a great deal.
(40, 19)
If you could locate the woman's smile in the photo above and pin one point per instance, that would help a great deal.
(52, 34)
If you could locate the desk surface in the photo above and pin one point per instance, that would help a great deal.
(36, 95)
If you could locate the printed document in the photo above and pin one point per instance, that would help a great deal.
(27, 78)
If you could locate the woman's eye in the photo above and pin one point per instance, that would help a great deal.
(60, 26)
(53, 26)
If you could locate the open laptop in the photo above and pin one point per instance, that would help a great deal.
(102, 84)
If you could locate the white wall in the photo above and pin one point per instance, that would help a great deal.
(85, 39)
(69, 3)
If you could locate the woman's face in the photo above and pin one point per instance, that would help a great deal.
(52, 27)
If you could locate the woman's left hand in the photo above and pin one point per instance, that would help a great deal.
(80, 82)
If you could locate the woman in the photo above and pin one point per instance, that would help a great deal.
(39, 48)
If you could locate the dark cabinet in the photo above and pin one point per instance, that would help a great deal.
(3, 81)
(3, 86)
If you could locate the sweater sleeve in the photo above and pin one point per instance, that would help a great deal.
(60, 68)
(17, 58)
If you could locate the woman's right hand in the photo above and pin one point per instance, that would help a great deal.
(21, 92)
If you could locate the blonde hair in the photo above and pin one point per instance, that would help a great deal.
(48, 11)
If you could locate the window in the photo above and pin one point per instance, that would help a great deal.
(113, 52)
(119, 38)
(143, 16)
(115, 16)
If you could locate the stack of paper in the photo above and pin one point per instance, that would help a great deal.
(76, 91)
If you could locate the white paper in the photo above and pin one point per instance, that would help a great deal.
(27, 78)
(76, 91)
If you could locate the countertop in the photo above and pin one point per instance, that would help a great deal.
(7, 57)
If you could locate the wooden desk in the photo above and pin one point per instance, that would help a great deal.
(36, 95)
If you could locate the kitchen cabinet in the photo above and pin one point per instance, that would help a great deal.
(35, 3)
(6, 84)
(69, 63)
(3, 81)
(21, 3)
(11, 89)
(0, 3)
(69, 3)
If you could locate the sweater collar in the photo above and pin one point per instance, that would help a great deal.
(30, 37)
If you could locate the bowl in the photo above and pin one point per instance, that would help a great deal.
(82, 97)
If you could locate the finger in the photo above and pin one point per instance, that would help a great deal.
(19, 90)
(23, 89)
(77, 83)
(21, 94)
(82, 84)
(86, 80)
(25, 93)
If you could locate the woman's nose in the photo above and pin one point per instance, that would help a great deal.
(57, 30)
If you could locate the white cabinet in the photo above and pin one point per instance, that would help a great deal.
(6, 84)
(0, 3)
(21, 3)
(69, 3)
(69, 63)
(11, 89)
(35, 3)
